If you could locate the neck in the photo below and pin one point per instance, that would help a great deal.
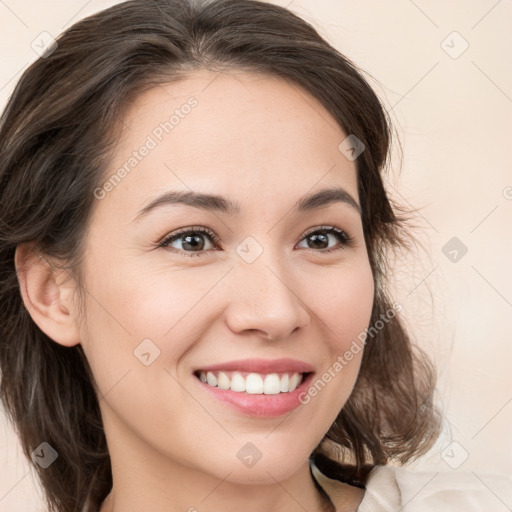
(192, 494)
(144, 478)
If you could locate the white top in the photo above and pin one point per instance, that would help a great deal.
(393, 489)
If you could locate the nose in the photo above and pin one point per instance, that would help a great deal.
(266, 300)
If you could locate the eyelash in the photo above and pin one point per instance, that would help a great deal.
(342, 236)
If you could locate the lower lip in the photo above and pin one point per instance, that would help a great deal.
(263, 406)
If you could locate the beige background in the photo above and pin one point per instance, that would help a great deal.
(453, 113)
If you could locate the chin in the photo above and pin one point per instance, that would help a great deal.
(264, 471)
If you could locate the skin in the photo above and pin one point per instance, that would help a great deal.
(264, 143)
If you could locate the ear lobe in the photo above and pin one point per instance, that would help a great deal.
(47, 294)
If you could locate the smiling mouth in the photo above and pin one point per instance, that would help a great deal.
(251, 382)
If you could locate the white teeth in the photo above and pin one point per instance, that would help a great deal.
(254, 383)
(294, 381)
(272, 384)
(211, 379)
(237, 382)
(284, 383)
(223, 381)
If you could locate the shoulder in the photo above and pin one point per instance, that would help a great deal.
(393, 489)
(418, 491)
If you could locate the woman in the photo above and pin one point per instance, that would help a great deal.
(194, 242)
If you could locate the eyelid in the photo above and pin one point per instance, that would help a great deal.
(348, 240)
(183, 231)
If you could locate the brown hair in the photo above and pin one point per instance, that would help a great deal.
(56, 135)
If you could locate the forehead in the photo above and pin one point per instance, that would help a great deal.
(231, 132)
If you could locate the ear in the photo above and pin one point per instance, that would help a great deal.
(47, 293)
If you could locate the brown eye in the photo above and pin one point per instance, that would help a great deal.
(320, 238)
(193, 241)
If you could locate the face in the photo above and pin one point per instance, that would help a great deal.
(247, 282)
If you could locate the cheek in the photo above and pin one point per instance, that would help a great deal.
(345, 315)
(174, 307)
(345, 310)
(136, 300)
(130, 303)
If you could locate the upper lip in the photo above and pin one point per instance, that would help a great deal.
(262, 366)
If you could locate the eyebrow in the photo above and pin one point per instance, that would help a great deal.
(216, 203)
